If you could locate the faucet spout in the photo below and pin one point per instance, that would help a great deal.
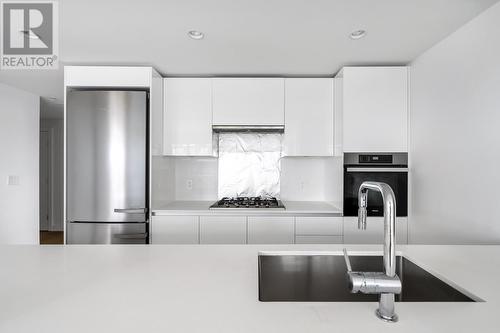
(390, 285)
(363, 198)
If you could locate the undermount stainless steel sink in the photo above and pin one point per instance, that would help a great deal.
(322, 278)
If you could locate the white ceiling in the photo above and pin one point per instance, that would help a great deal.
(246, 37)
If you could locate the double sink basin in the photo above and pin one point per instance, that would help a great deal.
(322, 278)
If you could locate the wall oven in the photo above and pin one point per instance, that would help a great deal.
(390, 168)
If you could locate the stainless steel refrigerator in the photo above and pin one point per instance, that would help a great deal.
(106, 167)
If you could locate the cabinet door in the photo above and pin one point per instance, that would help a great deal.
(309, 117)
(318, 226)
(187, 118)
(156, 115)
(318, 239)
(223, 229)
(375, 109)
(248, 101)
(374, 233)
(270, 230)
(174, 230)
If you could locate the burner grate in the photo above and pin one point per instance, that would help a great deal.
(248, 202)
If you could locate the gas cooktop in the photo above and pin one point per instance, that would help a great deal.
(249, 203)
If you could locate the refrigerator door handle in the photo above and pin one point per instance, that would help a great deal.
(132, 236)
(131, 210)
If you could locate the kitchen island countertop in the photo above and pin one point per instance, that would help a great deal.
(214, 288)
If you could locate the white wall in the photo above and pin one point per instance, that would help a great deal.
(19, 137)
(455, 137)
(55, 127)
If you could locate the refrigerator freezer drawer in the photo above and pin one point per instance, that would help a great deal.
(106, 233)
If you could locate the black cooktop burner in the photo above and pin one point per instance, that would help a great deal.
(248, 202)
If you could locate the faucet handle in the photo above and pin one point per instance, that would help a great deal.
(347, 261)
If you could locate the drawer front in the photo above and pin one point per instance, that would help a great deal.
(318, 239)
(270, 230)
(318, 226)
(223, 229)
(175, 230)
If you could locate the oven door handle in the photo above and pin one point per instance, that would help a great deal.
(377, 169)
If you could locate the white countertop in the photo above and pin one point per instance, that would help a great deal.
(214, 288)
(295, 208)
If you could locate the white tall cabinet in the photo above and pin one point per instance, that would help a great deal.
(374, 109)
(187, 117)
(309, 117)
(248, 101)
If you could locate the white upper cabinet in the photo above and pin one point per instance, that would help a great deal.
(375, 109)
(156, 114)
(248, 101)
(309, 120)
(187, 118)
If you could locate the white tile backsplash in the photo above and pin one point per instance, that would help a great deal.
(312, 179)
(184, 178)
(163, 174)
(195, 178)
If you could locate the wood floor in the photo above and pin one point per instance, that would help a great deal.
(51, 237)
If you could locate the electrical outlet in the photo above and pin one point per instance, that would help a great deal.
(189, 184)
(302, 185)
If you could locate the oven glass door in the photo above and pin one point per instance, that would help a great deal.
(396, 178)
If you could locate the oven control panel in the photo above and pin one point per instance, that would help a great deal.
(375, 159)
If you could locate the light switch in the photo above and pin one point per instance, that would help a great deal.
(13, 180)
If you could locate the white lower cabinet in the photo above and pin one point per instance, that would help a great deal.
(374, 233)
(271, 230)
(318, 226)
(175, 230)
(318, 230)
(227, 229)
(223, 229)
(318, 239)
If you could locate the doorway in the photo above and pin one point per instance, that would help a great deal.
(44, 180)
(51, 169)
(50, 230)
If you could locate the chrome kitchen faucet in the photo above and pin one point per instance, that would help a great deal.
(386, 284)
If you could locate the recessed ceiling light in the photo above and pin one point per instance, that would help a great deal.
(194, 34)
(357, 34)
